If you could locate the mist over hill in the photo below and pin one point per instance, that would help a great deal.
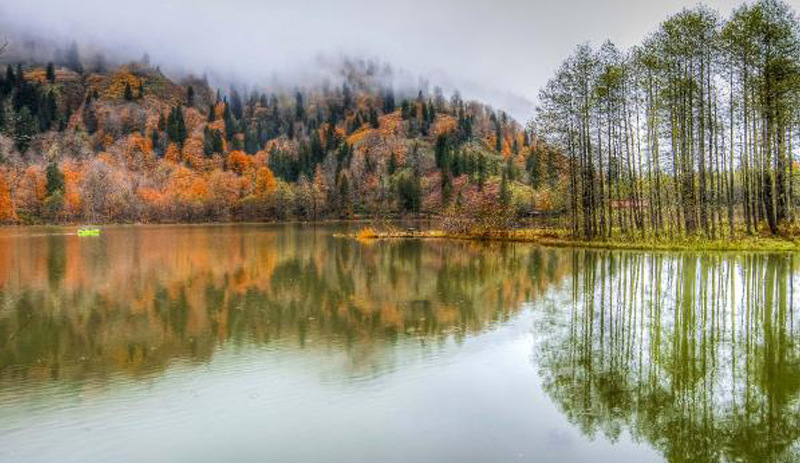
(92, 134)
(263, 48)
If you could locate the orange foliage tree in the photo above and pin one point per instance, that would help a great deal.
(189, 189)
(266, 183)
(239, 162)
(8, 212)
(224, 190)
(73, 179)
(192, 153)
(31, 191)
(173, 154)
(119, 81)
(138, 152)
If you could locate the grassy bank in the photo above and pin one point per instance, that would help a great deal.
(562, 238)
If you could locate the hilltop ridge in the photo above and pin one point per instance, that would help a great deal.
(128, 143)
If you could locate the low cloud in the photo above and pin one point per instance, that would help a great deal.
(501, 52)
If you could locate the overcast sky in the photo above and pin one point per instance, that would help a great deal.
(500, 50)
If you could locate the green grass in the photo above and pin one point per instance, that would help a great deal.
(562, 238)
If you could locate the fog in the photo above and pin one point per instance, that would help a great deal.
(501, 52)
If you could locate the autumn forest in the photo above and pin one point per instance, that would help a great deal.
(83, 141)
(689, 133)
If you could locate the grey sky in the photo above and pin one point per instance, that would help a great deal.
(501, 51)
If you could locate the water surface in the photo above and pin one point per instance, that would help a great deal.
(285, 343)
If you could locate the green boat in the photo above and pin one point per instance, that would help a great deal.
(88, 232)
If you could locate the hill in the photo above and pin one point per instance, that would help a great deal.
(131, 144)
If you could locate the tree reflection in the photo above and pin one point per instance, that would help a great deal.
(139, 298)
(695, 354)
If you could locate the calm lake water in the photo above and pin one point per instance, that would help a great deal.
(260, 343)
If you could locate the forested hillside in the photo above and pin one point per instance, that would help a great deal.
(85, 141)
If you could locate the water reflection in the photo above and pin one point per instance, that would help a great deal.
(696, 355)
(139, 297)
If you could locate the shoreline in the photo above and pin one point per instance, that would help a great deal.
(540, 236)
(354, 221)
(560, 238)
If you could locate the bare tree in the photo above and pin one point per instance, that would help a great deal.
(592, 108)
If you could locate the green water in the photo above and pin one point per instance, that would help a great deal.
(284, 343)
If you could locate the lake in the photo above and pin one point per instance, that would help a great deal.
(257, 343)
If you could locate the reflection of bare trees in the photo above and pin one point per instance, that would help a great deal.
(141, 297)
(696, 355)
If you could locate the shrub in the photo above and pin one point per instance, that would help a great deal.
(478, 212)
